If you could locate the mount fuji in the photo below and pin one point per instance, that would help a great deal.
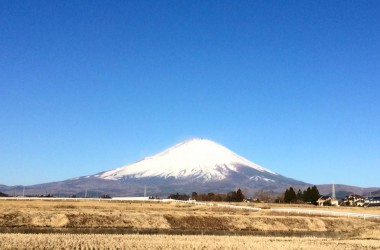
(198, 159)
(195, 165)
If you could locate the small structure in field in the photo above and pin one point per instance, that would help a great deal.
(354, 200)
(326, 200)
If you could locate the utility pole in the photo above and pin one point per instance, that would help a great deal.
(145, 191)
(333, 192)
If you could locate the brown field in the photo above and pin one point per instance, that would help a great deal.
(145, 242)
(109, 224)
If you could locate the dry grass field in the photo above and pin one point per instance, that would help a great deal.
(107, 224)
(145, 242)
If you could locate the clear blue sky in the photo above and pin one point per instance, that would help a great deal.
(87, 86)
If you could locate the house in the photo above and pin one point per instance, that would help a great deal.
(372, 201)
(326, 200)
(353, 200)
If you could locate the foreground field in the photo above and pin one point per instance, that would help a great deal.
(124, 217)
(99, 241)
(106, 224)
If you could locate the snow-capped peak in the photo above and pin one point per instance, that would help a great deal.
(198, 158)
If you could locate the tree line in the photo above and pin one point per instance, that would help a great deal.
(310, 195)
(233, 196)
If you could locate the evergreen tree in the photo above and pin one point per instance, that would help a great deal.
(178, 196)
(239, 195)
(299, 195)
(311, 195)
(286, 196)
(307, 195)
(314, 194)
(292, 195)
(194, 195)
(231, 196)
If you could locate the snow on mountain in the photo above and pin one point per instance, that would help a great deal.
(196, 165)
(196, 158)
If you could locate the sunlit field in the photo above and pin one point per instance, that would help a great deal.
(115, 224)
(101, 241)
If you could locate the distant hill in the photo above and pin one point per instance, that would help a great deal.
(340, 195)
(340, 190)
(3, 195)
(376, 193)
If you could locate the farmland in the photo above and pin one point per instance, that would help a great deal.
(145, 242)
(105, 223)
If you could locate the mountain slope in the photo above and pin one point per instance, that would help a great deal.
(195, 158)
(196, 165)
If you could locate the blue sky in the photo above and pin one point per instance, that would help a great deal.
(87, 86)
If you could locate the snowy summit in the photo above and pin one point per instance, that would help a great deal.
(195, 158)
(195, 165)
